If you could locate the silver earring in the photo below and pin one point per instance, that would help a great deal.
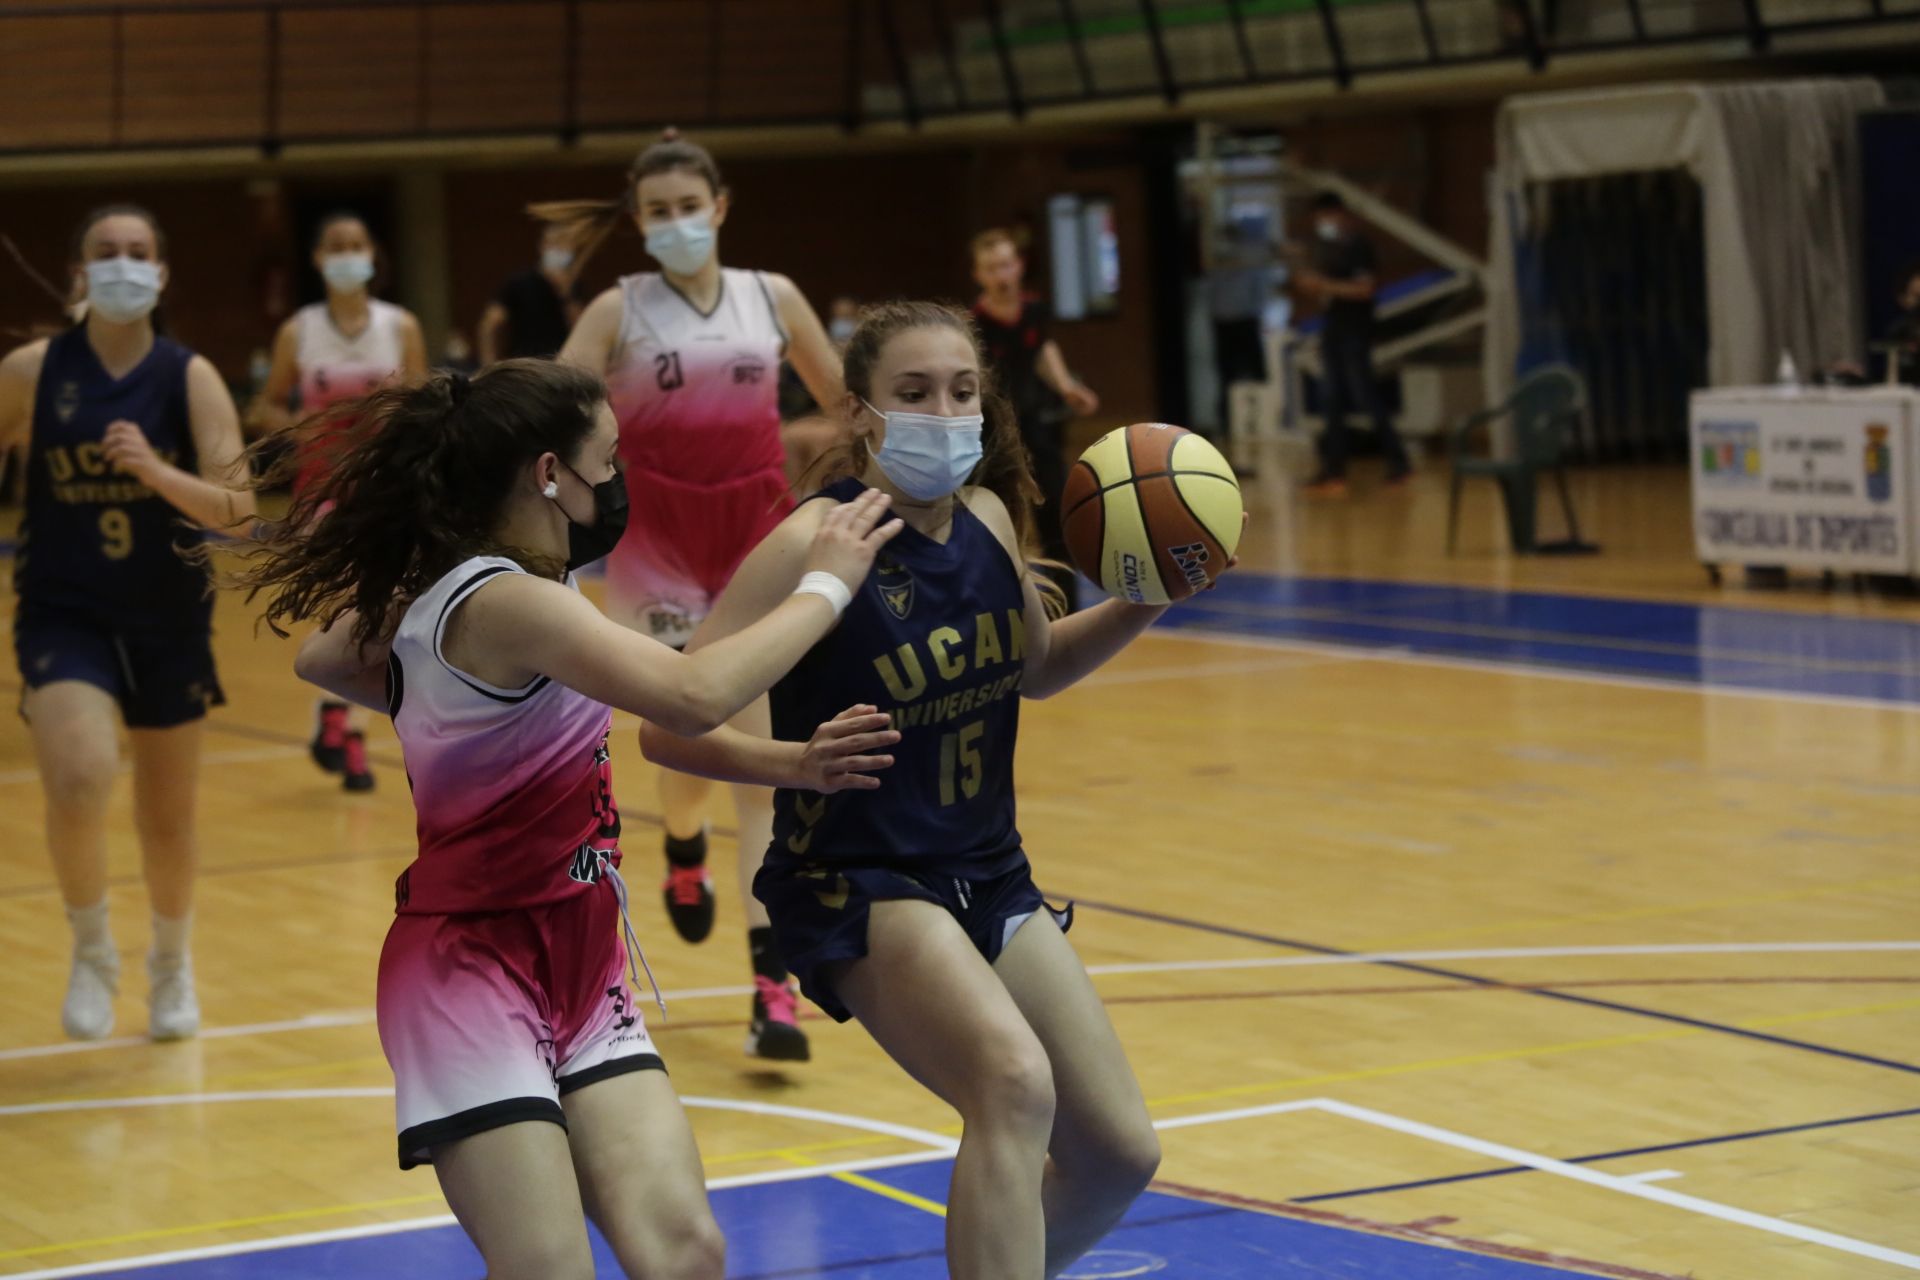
(551, 491)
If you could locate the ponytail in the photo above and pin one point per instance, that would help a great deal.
(415, 481)
(585, 225)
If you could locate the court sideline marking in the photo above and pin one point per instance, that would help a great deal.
(943, 1148)
(358, 1017)
(1624, 1153)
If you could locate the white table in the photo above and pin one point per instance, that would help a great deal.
(1824, 478)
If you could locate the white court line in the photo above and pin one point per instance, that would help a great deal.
(1652, 1175)
(358, 1017)
(925, 1137)
(942, 1146)
(444, 1220)
(311, 1022)
(186, 1099)
(363, 1016)
(1626, 1186)
(1241, 1113)
(1505, 953)
(1401, 654)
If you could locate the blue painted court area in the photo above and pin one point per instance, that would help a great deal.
(1710, 645)
(821, 1227)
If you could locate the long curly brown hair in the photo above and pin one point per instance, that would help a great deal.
(415, 482)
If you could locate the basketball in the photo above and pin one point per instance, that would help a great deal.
(1151, 512)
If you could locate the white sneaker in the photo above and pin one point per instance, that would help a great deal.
(172, 1011)
(88, 1011)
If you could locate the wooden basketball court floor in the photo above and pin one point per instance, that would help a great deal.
(1468, 917)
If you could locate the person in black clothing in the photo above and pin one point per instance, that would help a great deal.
(1343, 274)
(1016, 329)
(535, 309)
(1239, 284)
(1905, 329)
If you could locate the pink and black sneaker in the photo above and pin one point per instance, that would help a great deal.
(775, 1031)
(329, 745)
(357, 776)
(689, 889)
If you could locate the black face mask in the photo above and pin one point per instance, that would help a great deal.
(589, 542)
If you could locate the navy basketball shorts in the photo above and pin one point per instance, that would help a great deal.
(161, 676)
(819, 913)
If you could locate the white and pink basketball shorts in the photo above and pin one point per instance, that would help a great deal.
(489, 1020)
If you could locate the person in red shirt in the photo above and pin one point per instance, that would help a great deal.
(1016, 329)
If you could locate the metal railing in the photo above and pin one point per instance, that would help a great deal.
(207, 73)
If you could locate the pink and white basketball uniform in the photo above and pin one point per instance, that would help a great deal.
(335, 368)
(502, 983)
(697, 396)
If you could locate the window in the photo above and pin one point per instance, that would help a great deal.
(1086, 256)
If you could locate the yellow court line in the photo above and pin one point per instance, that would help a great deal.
(1821, 1015)
(835, 1144)
(1643, 913)
(868, 1184)
(1514, 1055)
(259, 1220)
(893, 1193)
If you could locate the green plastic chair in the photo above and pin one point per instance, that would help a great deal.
(1546, 407)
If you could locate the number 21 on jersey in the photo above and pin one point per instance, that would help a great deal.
(666, 368)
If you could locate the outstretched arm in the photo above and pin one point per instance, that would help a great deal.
(519, 627)
(841, 751)
(330, 659)
(842, 755)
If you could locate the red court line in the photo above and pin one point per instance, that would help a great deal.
(1414, 1232)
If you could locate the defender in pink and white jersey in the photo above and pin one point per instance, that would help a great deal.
(442, 575)
(691, 354)
(333, 352)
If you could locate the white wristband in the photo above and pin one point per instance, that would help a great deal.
(828, 588)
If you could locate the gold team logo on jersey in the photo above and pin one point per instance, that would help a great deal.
(66, 401)
(895, 584)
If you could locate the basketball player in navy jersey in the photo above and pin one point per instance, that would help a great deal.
(129, 432)
(909, 904)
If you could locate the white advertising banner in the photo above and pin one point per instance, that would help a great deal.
(1816, 479)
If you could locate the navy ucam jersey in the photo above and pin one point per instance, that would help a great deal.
(94, 540)
(936, 636)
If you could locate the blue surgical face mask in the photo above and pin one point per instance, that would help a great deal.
(556, 259)
(345, 272)
(683, 245)
(841, 329)
(926, 455)
(122, 289)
